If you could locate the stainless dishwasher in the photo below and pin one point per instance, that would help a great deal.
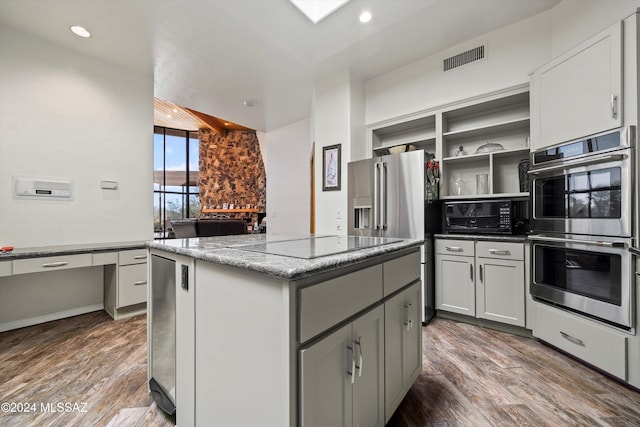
(162, 333)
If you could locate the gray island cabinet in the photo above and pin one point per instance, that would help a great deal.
(273, 340)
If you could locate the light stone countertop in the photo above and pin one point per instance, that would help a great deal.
(226, 250)
(43, 251)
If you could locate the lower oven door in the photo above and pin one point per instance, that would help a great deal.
(591, 276)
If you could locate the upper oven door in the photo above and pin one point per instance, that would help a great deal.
(592, 197)
(585, 186)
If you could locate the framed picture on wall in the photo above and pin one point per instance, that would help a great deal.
(331, 168)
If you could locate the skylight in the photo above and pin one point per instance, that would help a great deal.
(316, 10)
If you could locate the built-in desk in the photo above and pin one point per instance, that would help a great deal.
(48, 283)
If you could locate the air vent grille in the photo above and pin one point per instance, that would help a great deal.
(464, 58)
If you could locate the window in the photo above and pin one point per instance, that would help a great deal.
(176, 177)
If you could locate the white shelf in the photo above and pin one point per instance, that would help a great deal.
(488, 129)
(479, 156)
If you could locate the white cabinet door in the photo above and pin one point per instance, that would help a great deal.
(368, 387)
(578, 93)
(403, 346)
(455, 288)
(500, 291)
(326, 391)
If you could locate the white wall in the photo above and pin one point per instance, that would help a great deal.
(289, 178)
(332, 112)
(66, 115)
(576, 20)
(512, 53)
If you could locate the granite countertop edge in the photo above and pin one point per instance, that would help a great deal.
(44, 251)
(278, 266)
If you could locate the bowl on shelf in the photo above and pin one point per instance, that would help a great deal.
(489, 147)
(398, 149)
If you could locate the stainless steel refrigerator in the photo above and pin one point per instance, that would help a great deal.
(386, 196)
(387, 199)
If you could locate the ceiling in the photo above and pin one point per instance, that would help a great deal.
(212, 55)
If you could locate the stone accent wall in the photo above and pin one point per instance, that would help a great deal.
(232, 170)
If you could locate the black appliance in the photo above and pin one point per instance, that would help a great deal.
(432, 225)
(487, 216)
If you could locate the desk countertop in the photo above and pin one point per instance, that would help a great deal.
(36, 252)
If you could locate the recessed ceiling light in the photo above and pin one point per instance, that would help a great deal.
(80, 31)
(365, 17)
(249, 103)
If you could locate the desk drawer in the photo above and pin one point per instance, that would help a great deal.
(39, 265)
(329, 303)
(5, 268)
(132, 284)
(591, 342)
(134, 256)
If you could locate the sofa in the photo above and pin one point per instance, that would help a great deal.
(205, 227)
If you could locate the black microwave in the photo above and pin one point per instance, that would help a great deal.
(486, 217)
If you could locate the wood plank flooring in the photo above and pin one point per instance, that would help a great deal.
(471, 377)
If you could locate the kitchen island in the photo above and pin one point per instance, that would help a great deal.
(291, 330)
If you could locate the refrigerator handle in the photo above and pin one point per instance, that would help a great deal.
(384, 196)
(376, 198)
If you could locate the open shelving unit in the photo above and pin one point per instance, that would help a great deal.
(501, 118)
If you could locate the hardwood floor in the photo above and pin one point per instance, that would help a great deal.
(471, 377)
(95, 367)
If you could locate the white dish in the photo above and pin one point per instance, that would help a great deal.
(489, 147)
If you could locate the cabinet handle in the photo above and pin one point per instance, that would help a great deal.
(481, 272)
(614, 106)
(352, 371)
(140, 282)
(54, 264)
(572, 339)
(140, 257)
(638, 273)
(454, 249)
(499, 252)
(471, 272)
(408, 321)
(359, 364)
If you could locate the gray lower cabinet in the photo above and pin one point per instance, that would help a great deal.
(483, 279)
(342, 375)
(455, 286)
(403, 341)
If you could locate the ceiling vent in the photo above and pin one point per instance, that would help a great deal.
(464, 58)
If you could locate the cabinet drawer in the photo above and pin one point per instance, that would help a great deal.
(328, 303)
(63, 262)
(132, 284)
(105, 258)
(502, 250)
(400, 272)
(455, 247)
(5, 268)
(593, 343)
(135, 256)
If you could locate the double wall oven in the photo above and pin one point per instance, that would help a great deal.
(584, 220)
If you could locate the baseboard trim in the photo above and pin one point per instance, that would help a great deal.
(21, 323)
